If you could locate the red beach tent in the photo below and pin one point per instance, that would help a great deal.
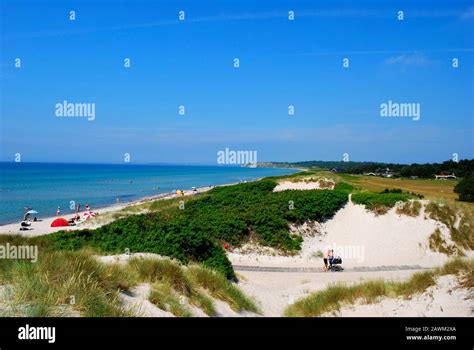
(59, 222)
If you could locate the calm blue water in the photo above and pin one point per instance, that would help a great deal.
(44, 187)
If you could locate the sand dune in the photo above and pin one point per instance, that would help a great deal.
(361, 238)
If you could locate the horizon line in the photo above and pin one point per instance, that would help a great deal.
(229, 165)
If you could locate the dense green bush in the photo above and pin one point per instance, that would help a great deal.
(229, 214)
(399, 190)
(465, 189)
(375, 201)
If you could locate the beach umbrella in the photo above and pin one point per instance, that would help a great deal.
(59, 222)
(32, 212)
(88, 215)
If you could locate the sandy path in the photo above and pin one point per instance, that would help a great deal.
(320, 270)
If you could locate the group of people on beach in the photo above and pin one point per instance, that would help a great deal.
(78, 209)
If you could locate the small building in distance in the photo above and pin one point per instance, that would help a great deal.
(445, 177)
(381, 172)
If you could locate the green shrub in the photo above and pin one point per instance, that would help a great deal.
(465, 189)
(379, 201)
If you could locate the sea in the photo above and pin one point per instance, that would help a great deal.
(46, 186)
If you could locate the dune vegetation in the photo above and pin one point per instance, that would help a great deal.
(76, 283)
(62, 283)
(458, 218)
(380, 203)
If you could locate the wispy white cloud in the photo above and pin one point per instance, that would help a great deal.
(248, 16)
(416, 59)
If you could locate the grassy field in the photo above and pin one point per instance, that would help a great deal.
(431, 189)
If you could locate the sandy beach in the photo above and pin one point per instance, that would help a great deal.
(43, 225)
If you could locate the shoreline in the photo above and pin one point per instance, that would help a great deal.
(135, 198)
(43, 224)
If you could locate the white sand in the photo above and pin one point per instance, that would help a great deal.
(125, 258)
(304, 185)
(137, 302)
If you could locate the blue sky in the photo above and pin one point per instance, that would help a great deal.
(282, 63)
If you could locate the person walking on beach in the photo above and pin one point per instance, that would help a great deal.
(87, 207)
(78, 207)
(325, 261)
(58, 211)
(328, 257)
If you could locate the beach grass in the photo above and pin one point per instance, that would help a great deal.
(458, 217)
(335, 296)
(410, 208)
(75, 283)
(62, 280)
(164, 296)
(218, 287)
(172, 284)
